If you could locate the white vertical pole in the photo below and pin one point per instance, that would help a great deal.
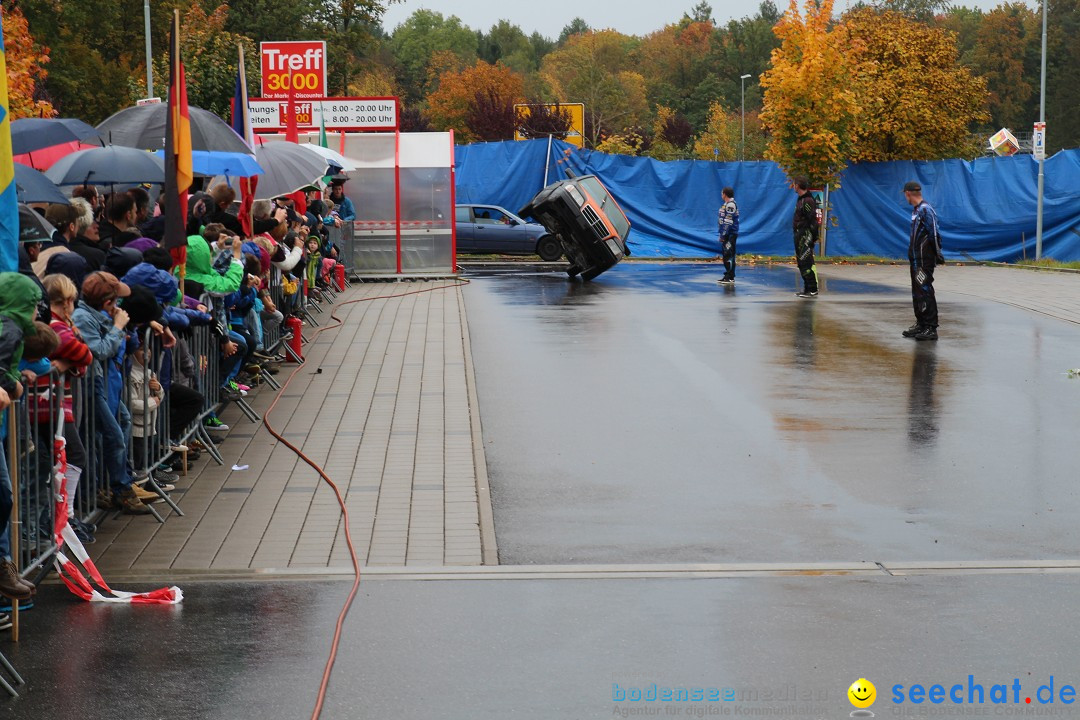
(547, 163)
(1042, 158)
(742, 118)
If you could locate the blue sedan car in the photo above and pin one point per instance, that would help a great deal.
(490, 229)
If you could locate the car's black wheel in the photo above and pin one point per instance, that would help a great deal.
(591, 273)
(573, 270)
(549, 248)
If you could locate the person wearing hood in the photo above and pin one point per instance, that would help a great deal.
(159, 282)
(101, 323)
(166, 292)
(19, 298)
(143, 244)
(70, 264)
(121, 259)
(199, 267)
(200, 270)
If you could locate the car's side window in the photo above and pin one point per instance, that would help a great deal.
(491, 216)
(462, 215)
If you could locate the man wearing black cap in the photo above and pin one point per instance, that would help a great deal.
(924, 253)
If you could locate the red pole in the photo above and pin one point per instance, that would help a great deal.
(453, 207)
(397, 193)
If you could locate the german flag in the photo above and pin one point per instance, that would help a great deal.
(178, 169)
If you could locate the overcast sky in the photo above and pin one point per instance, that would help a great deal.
(627, 16)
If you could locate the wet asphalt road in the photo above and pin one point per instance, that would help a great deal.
(654, 416)
(544, 649)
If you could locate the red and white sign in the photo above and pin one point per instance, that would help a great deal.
(300, 64)
(356, 113)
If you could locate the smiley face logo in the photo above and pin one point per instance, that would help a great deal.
(862, 693)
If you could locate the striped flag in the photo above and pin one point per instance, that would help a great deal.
(241, 123)
(322, 127)
(69, 571)
(9, 202)
(178, 169)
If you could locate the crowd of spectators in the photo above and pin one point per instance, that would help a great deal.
(82, 307)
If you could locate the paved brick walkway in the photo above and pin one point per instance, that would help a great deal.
(1056, 294)
(388, 417)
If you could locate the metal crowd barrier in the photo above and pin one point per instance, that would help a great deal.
(37, 416)
(194, 362)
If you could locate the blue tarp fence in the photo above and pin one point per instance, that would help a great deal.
(986, 206)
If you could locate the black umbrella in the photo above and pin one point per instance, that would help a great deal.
(33, 227)
(143, 127)
(30, 134)
(107, 166)
(33, 187)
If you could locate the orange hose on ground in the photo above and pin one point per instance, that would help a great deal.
(337, 493)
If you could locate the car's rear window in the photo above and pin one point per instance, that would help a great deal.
(607, 204)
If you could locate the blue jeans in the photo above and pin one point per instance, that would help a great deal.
(5, 506)
(113, 434)
(230, 366)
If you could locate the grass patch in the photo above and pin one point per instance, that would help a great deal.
(837, 260)
(1049, 263)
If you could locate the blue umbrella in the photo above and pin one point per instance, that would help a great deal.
(210, 162)
(30, 134)
(112, 165)
(33, 187)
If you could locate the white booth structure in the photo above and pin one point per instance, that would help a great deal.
(403, 192)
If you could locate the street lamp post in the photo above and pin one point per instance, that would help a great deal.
(149, 56)
(742, 120)
(1042, 157)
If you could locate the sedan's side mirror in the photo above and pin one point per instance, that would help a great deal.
(513, 221)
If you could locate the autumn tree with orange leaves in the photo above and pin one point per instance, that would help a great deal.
(810, 107)
(25, 61)
(450, 106)
(916, 102)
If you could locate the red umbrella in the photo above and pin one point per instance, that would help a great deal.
(43, 159)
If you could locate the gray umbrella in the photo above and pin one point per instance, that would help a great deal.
(107, 166)
(143, 127)
(33, 187)
(287, 167)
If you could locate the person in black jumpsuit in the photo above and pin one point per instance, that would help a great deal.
(924, 254)
(805, 226)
